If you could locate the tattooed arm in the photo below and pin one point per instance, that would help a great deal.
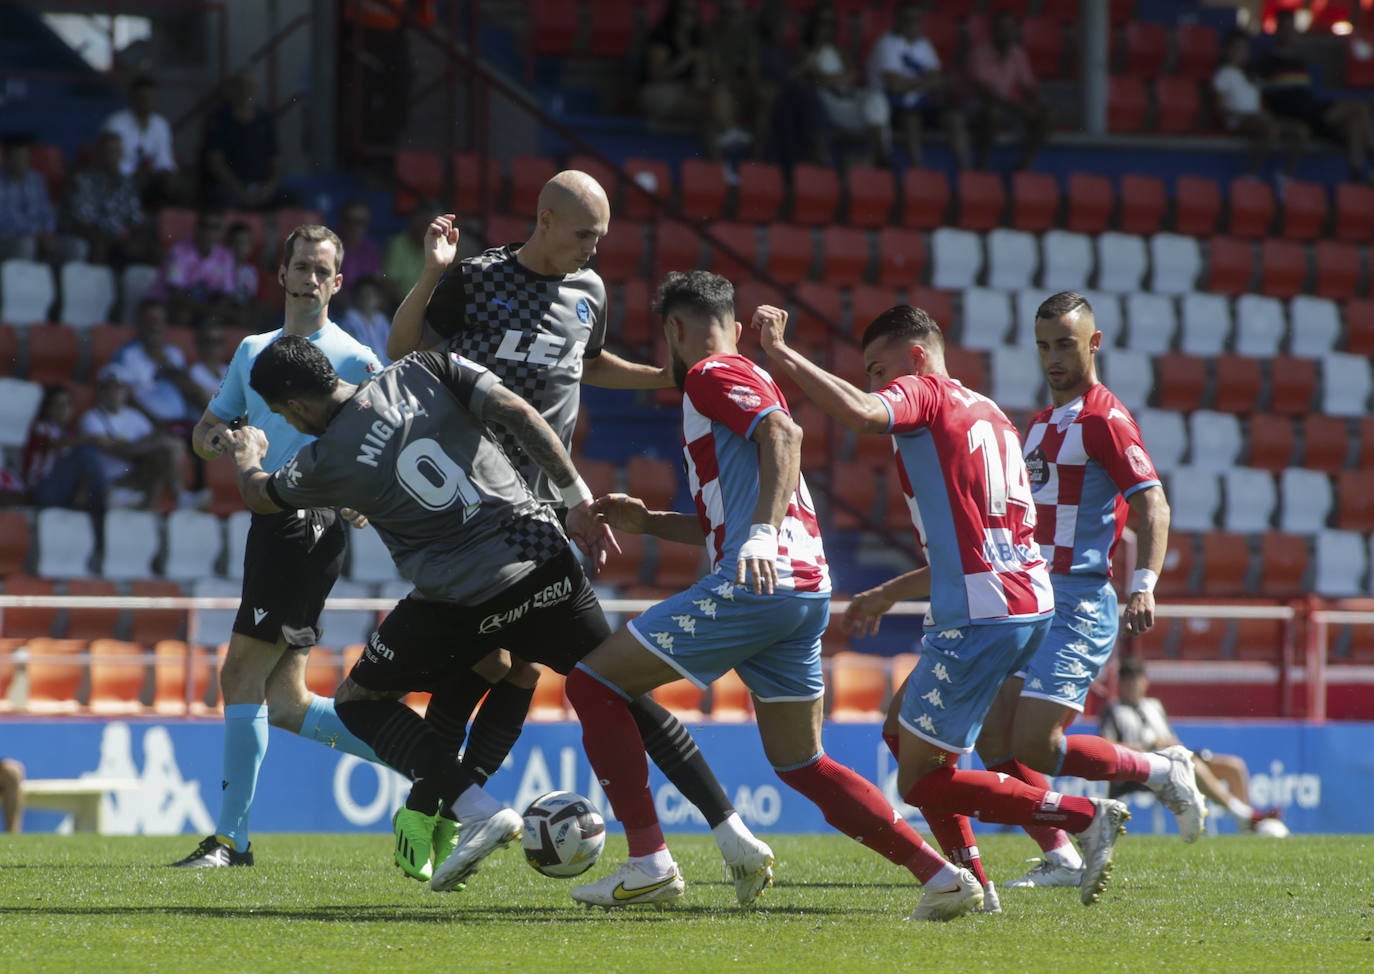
(536, 437)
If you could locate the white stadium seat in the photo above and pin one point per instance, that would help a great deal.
(1251, 497)
(66, 542)
(1025, 304)
(1206, 323)
(235, 538)
(1066, 261)
(1013, 259)
(1107, 313)
(88, 294)
(195, 540)
(1194, 499)
(134, 284)
(1122, 261)
(27, 291)
(19, 399)
(1164, 436)
(1304, 500)
(1129, 375)
(1016, 380)
(132, 541)
(1314, 326)
(1151, 322)
(1175, 263)
(986, 319)
(1342, 561)
(368, 559)
(1260, 325)
(1346, 383)
(1215, 439)
(956, 258)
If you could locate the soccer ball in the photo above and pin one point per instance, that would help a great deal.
(564, 834)
(1271, 828)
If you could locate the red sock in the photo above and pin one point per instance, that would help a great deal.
(991, 797)
(855, 806)
(954, 833)
(616, 752)
(1047, 838)
(1098, 759)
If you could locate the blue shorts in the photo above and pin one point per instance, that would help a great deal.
(1078, 646)
(958, 676)
(772, 641)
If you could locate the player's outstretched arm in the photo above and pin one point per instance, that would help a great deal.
(408, 324)
(248, 446)
(1150, 508)
(852, 406)
(866, 609)
(609, 371)
(625, 513)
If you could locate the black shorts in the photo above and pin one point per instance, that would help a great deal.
(290, 562)
(551, 616)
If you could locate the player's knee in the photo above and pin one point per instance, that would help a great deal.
(523, 673)
(1040, 753)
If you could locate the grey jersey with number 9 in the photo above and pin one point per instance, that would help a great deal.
(409, 450)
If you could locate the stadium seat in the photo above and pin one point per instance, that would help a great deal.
(1177, 105)
(1364, 453)
(1180, 565)
(1127, 103)
(1165, 435)
(66, 542)
(148, 626)
(1239, 380)
(322, 671)
(653, 480)
(16, 537)
(88, 294)
(528, 174)
(968, 366)
(925, 199)
(818, 430)
(132, 541)
(1175, 263)
(1122, 261)
(553, 28)
(956, 258)
(871, 193)
(791, 252)
(1292, 384)
(937, 304)
(54, 352)
(676, 247)
(844, 254)
(1354, 213)
(760, 192)
(30, 621)
(1214, 439)
(828, 313)
(419, 174)
(1151, 322)
(630, 567)
(9, 350)
(987, 318)
(1144, 47)
(1067, 261)
(1251, 498)
(211, 627)
(678, 566)
(743, 239)
(1225, 563)
(27, 291)
(1304, 210)
(652, 175)
(867, 301)
(620, 254)
(1025, 303)
(236, 526)
(755, 294)
(135, 281)
(1013, 259)
(1197, 206)
(1340, 270)
(1044, 43)
(610, 29)
(1326, 442)
(173, 693)
(902, 256)
(1260, 325)
(1314, 326)
(104, 340)
(682, 697)
(502, 229)
(1355, 500)
(1230, 265)
(1107, 314)
(704, 190)
(604, 173)
(1283, 268)
(1359, 328)
(19, 400)
(857, 685)
(55, 674)
(1305, 500)
(815, 194)
(90, 622)
(119, 673)
(1143, 204)
(1285, 560)
(1250, 211)
(730, 698)
(1197, 50)
(1271, 442)
(471, 193)
(637, 330)
(1182, 381)
(1015, 382)
(195, 540)
(1091, 202)
(1130, 376)
(1034, 201)
(981, 199)
(1194, 498)
(1346, 384)
(1341, 563)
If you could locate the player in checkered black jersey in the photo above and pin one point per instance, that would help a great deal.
(961, 468)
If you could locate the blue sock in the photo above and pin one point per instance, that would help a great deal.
(322, 724)
(245, 745)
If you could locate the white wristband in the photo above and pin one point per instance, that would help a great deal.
(1143, 581)
(762, 543)
(575, 493)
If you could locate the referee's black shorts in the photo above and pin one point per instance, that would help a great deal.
(290, 563)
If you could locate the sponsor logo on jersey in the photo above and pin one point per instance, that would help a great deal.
(501, 303)
(1140, 462)
(1115, 413)
(292, 473)
(376, 650)
(744, 397)
(1037, 468)
(553, 594)
(541, 348)
(499, 620)
(584, 311)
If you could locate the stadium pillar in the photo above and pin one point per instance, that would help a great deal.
(324, 40)
(1096, 51)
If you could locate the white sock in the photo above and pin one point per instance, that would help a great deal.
(475, 805)
(943, 880)
(1239, 809)
(1066, 856)
(730, 834)
(658, 863)
(1159, 769)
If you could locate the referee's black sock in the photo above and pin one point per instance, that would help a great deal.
(496, 729)
(671, 747)
(450, 708)
(403, 739)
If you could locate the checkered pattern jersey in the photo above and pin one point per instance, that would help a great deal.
(1084, 459)
(725, 398)
(960, 463)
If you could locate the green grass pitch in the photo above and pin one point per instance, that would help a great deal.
(334, 903)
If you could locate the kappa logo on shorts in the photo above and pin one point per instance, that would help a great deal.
(1076, 668)
(726, 590)
(940, 673)
(933, 698)
(707, 607)
(1067, 689)
(1086, 608)
(926, 723)
(664, 640)
(687, 624)
(1035, 684)
(258, 616)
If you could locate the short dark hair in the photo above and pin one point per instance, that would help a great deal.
(1131, 666)
(290, 367)
(1061, 304)
(904, 321)
(313, 233)
(698, 292)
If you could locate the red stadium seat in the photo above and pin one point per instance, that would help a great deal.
(637, 324)
(1182, 380)
(1197, 49)
(1177, 105)
(31, 621)
(1326, 442)
(1271, 442)
(937, 304)
(149, 626)
(741, 238)
(857, 686)
(604, 173)
(1225, 563)
(528, 174)
(652, 479)
(1126, 103)
(1283, 267)
(677, 247)
(1034, 201)
(1359, 327)
(1238, 383)
(1355, 500)
(175, 223)
(1061, 11)
(981, 200)
(1180, 562)
(419, 175)
(1091, 202)
(1340, 271)
(1292, 384)
(760, 193)
(1143, 202)
(925, 198)
(815, 194)
(1365, 455)
(1230, 265)
(16, 539)
(1359, 66)
(678, 566)
(651, 174)
(867, 302)
(1354, 212)
(54, 350)
(610, 28)
(106, 339)
(1285, 560)
(871, 193)
(825, 298)
(553, 28)
(630, 566)
(902, 257)
(704, 190)
(117, 676)
(91, 623)
(791, 252)
(1251, 209)
(9, 350)
(1304, 210)
(1197, 205)
(1044, 43)
(55, 674)
(502, 229)
(620, 254)
(754, 294)
(844, 255)
(968, 365)
(1145, 45)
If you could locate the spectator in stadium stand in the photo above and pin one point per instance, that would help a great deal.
(1240, 107)
(1006, 93)
(366, 319)
(905, 67)
(239, 239)
(362, 256)
(403, 257)
(61, 467)
(105, 210)
(155, 369)
(28, 223)
(147, 140)
(209, 368)
(732, 40)
(141, 464)
(681, 83)
(1138, 721)
(241, 161)
(199, 274)
(850, 111)
(1290, 92)
(11, 794)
